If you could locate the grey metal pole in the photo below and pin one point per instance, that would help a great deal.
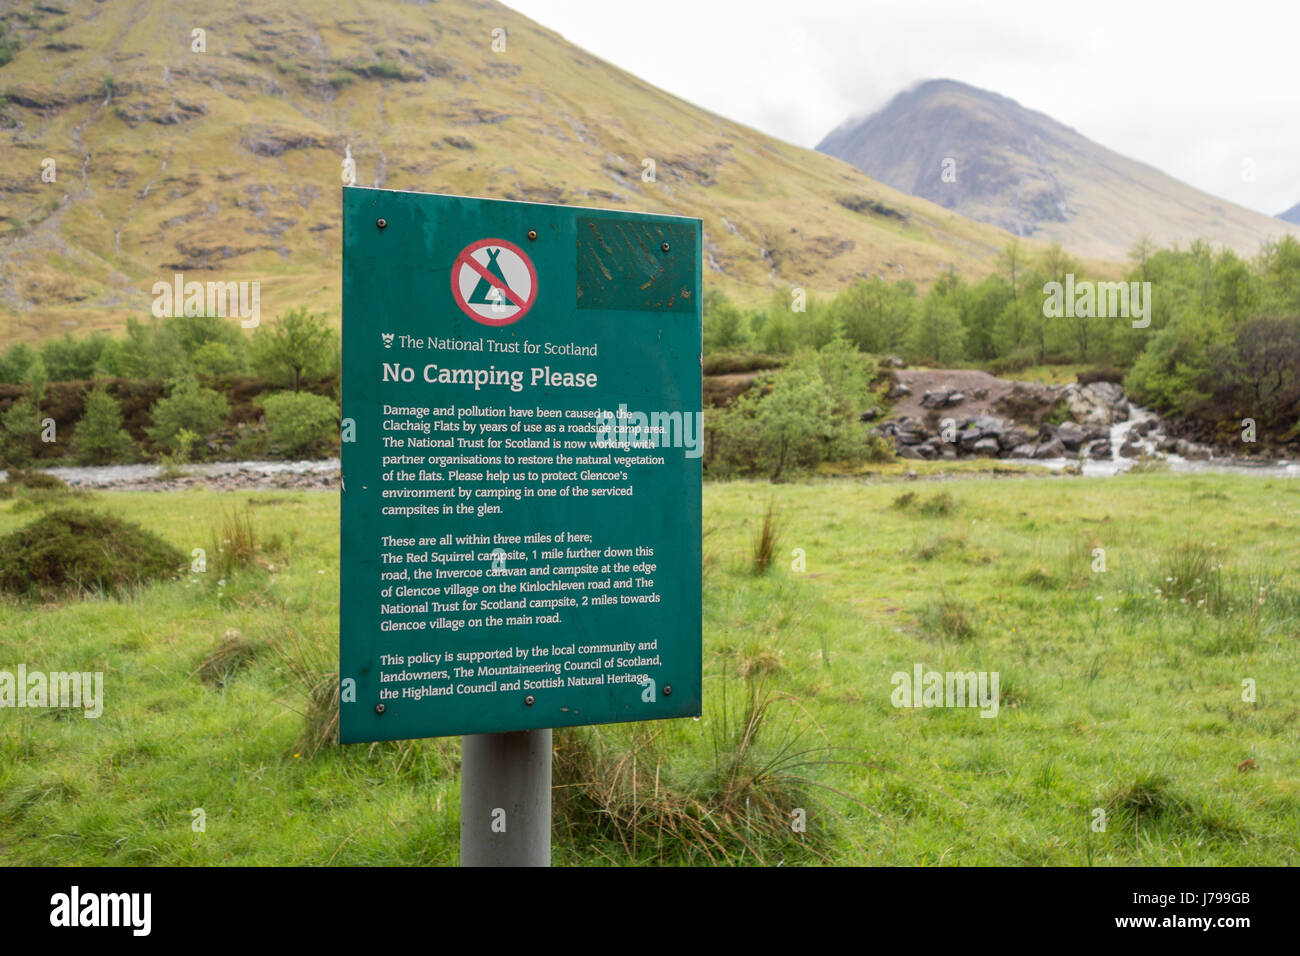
(505, 799)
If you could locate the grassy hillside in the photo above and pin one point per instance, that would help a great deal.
(1026, 172)
(226, 164)
(1115, 692)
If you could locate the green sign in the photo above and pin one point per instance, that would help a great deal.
(521, 466)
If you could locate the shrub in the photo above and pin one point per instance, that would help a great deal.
(70, 550)
(1103, 373)
(298, 347)
(41, 480)
(214, 358)
(732, 363)
(188, 406)
(301, 423)
(100, 438)
(20, 432)
(1017, 361)
(173, 465)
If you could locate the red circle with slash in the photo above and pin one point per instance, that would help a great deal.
(494, 282)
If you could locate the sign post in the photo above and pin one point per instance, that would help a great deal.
(521, 505)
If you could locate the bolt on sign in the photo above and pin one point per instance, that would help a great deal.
(521, 506)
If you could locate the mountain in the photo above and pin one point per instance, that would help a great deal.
(1027, 173)
(225, 164)
(1292, 215)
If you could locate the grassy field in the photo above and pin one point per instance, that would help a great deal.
(1120, 690)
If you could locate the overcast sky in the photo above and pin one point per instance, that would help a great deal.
(1205, 92)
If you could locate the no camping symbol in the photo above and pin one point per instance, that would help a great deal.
(494, 282)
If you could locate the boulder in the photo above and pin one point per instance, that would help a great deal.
(1191, 451)
(1071, 435)
(1023, 451)
(898, 391)
(936, 398)
(1015, 438)
(987, 447)
(1052, 448)
(1097, 403)
(908, 451)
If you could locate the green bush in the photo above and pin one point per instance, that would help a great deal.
(69, 550)
(188, 406)
(20, 432)
(298, 347)
(100, 438)
(301, 423)
(40, 480)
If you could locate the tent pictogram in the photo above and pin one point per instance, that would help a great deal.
(494, 282)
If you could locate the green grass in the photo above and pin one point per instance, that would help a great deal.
(1119, 690)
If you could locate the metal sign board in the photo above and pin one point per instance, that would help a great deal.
(520, 527)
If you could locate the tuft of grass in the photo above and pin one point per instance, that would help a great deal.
(234, 541)
(623, 788)
(947, 618)
(1147, 464)
(1190, 573)
(938, 505)
(763, 548)
(904, 501)
(313, 671)
(224, 663)
(1148, 795)
(68, 551)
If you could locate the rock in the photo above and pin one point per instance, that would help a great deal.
(989, 426)
(955, 398)
(936, 398)
(898, 391)
(907, 451)
(1191, 451)
(1015, 438)
(1130, 449)
(1052, 448)
(987, 447)
(870, 415)
(912, 434)
(1099, 449)
(1071, 435)
(1097, 403)
(1023, 451)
